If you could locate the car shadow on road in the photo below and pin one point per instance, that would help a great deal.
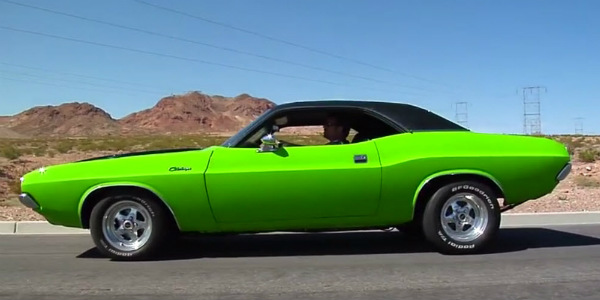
(350, 243)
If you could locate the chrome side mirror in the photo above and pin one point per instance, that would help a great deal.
(269, 143)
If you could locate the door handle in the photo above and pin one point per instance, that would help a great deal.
(360, 158)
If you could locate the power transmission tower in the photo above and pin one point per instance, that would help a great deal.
(578, 125)
(532, 116)
(462, 114)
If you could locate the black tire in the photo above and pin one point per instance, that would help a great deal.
(105, 239)
(482, 196)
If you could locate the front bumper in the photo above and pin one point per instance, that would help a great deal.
(28, 201)
(564, 172)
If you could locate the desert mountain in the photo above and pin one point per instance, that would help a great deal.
(196, 112)
(193, 112)
(9, 134)
(70, 119)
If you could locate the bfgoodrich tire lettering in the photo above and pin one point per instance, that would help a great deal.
(129, 227)
(461, 217)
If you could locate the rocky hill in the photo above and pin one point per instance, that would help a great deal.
(9, 134)
(70, 119)
(193, 112)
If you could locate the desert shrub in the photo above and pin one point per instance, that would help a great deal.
(588, 155)
(10, 152)
(39, 151)
(572, 143)
(14, 186)
(86, 145)
(159, 144)
(64, 146)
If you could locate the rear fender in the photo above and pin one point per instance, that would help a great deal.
(457, 172)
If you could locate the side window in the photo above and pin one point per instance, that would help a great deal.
(302, 135)
(320, 126)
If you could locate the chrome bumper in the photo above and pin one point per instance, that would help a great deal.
(564, 172)
(26, 200)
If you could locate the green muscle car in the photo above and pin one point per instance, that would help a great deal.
(403, 167)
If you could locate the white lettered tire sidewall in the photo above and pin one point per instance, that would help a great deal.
(152, 245)
(432, 225)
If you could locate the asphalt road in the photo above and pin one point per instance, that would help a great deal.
(525, 263)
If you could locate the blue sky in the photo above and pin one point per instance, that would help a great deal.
(428, 53)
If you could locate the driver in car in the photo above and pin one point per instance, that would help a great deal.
(336, 130)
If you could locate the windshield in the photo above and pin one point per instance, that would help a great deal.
(246, 130)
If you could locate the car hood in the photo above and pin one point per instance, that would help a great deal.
(129, 154)
(125, 166)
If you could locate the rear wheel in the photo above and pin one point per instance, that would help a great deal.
(461, 217)
(129, 227)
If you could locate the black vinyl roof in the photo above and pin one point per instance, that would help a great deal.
(408, 116)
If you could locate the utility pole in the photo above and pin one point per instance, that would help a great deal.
(462, 114)
(532, 116)
(579, 125)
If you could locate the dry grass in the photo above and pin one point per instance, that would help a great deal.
(582, 148)
(588, 155)
(10, 152)
(15, 148)
(573, 143)
(14, 186)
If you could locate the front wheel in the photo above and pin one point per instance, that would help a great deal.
(129, 227)
(461, 217)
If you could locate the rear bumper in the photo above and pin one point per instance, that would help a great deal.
(28, 201)
(564, 172)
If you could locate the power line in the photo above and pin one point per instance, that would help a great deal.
(180, 57)
(84, 76)
(64, 86)
(281, 40)
(260, 35)
(78, 82)
(198, 43)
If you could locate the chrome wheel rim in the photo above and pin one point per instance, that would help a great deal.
(464, 217)
(127, 225)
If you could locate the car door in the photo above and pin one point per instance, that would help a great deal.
(292, 183)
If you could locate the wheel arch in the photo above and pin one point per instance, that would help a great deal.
(437, 180)
(93, 195)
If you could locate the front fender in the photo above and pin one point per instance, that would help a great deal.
(185, 198)
(97, 187)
